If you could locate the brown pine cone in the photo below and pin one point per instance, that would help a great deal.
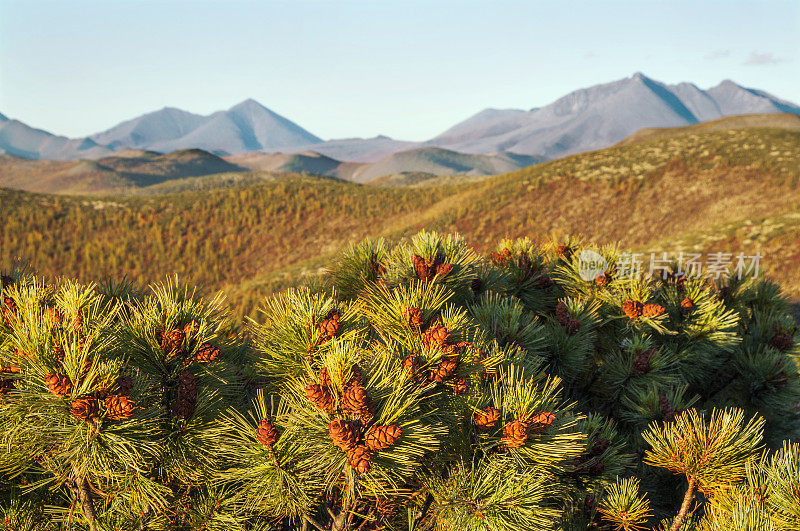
(266, 432)
(382, 437)
(459, 386)
(320, 396)
(58, 351)
(487, 417)
(6, 282)
(572, 327)
(329, 326)
(5, 386)
(562, 313)
(595, 468)
(421, 268)
(54, 316)
(686, 305)
(356, 401)
(543, 281)
(476, 285)
(413, 318)
(435, 336)
(172, 341)
(123, 385)
(412, 364)
(343, 433)
(515, 434)
(668, 413)
(540, 421)
(376, 268)
(442, 270)
(632, 309)
(602, 280)
(84, 408)
(501, 258)
(183, 408)
(191, 327)
(782, 341)
(565, 252)
(58, 384)
(77, 321)
(119, 407)
(207, 353)
(324, 377)
(187, 385)
(652, 310)
(599, 446)
(360, 459)
(444, 370)
(9, 311)
(641, 364)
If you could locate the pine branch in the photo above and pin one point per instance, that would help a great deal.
(687, 501)
(85, 497)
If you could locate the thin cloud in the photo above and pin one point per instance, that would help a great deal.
(718, 54)
(757, 59)
(589, 55)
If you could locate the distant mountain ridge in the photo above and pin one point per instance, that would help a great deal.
(586, 119)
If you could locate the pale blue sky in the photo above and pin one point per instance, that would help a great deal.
(407, 69)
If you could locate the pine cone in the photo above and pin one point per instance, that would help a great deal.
(565, 252)
(123, 385)
(5, 386)
(668, 413)
(442, 270)
(632, 309)
(329, 326)
(412, 364)
(595, 468)
(77, 321)
(652, 310)
(84, 408)
(191, 327)
(6, 282)
(445, 370)
(183, 408)
(543, 281)
(58, 384)
(476, 285)
(320, 396)
(515, 434)
(562, 313)
(413, 318)
(459, 386)
(641, 364)
(343, 433)
(187, 385)
(376, 268)
(599, 446)
(602, 280)
(435, 336)
(58, 351)
(119, 407)
(54, 316)
(420, 267)
(356, 402)
(572, 327)
(501, 258)
(382, 437)
(360, 459)
(266, 432)
(324, 377)
(782, 341)
(207, 353)
(686, 305)
(487, 417)
(172, 341)
(540, 421)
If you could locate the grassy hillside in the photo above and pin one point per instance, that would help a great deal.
(729, 190)
(121, 173)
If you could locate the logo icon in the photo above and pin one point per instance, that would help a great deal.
(591, 265)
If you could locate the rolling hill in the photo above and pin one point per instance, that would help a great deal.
(703, 189)
(120, 173)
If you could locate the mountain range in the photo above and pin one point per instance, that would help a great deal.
(583, 120)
